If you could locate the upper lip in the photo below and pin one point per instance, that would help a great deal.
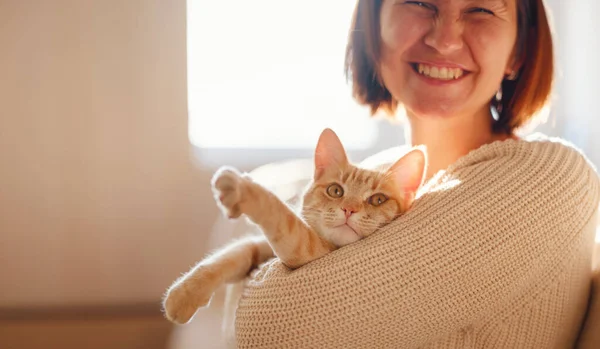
(442, 64)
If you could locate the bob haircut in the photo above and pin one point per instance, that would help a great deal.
(523, 97)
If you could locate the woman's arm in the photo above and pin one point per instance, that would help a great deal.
(486, 234)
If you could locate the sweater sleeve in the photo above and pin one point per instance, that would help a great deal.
(485, 233)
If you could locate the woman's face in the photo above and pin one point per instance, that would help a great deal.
(441, 58)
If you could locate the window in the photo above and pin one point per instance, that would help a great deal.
(268, 75)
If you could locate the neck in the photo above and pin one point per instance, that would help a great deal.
(448, 139)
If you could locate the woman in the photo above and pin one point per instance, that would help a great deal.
(496, 251)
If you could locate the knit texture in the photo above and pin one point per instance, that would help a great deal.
(495, 253)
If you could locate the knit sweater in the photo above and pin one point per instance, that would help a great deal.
(495, 253)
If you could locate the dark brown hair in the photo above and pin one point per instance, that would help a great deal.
(522, 98)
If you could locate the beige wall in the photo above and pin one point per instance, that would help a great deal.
(100, 201)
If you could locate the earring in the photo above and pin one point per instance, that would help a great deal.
(499, 95)
(496, 108)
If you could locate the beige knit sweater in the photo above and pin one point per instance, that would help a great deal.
(495, 253)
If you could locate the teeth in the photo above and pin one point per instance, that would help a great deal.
(443, 73)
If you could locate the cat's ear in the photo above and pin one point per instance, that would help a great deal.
(329, 152)
(408, 173)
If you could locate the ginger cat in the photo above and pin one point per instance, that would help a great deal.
(342, 204)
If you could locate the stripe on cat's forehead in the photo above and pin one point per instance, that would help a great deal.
(364, 176)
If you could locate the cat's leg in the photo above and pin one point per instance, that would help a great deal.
(293, 241)
(229, 264)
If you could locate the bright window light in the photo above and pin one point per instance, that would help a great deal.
(269, 74)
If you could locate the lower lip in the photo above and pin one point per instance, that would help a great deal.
(438, 82)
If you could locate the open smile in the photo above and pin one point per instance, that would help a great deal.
(439, 73)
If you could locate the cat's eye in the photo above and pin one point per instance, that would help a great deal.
(377, 199)
(335, 191)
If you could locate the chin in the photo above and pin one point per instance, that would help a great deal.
(341, 236)
(434, 105)
(433, 109)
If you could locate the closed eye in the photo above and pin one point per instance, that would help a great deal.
(421, 4)
(480, 10)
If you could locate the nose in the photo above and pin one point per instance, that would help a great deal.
(348, 211)
(446, 34)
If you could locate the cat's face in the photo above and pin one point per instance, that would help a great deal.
(345, 203)
(351, 203)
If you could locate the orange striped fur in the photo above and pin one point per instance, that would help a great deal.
(343, 204)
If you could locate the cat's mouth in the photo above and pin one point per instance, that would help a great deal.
(347, 226)
(342, 234)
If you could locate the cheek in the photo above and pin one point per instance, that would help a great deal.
(399, 32)
(383, 214)
(320, 209)
(401, 35)
(491, 45)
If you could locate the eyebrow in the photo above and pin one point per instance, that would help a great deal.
(501, 2)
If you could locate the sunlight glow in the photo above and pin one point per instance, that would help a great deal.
(269, 74)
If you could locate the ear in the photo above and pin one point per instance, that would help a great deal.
(329, 152)
(408, 173)
(515, 64)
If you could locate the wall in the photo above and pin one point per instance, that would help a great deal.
(100, 202)
(574, 114)
(580, 73)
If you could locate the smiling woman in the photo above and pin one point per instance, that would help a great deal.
(469, 37)
(496, 250)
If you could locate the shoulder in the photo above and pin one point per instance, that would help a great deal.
(535, 171)
(553, 153)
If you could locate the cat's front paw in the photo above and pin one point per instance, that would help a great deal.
(227, 186)
(180, 304)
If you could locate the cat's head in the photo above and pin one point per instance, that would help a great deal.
(345, 203)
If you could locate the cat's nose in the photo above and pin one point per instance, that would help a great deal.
(348, 212)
